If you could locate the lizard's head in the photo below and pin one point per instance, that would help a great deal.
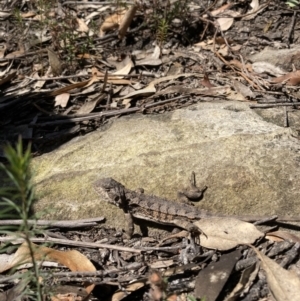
(110, 191)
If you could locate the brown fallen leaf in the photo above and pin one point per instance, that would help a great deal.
(294, 81)
(242, 89)
(89, 106)
(69, 88)
(82, 27)
(284, 285)
(126, 290)
(126, 20)
(74, 260)
(205, 82)
(247, 278)
(288, 78)
(62, 100)
(15, 54)
(225, 233)
(282, 235)
(112, 22)
(54, 62)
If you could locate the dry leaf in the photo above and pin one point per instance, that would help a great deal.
(152, 59)
(38, 84)
(126, 290)
(149, 90)
(28, 14)
(125, 70)
(126, 20)
(115, 79)
(247, 278)
(4, 15)
(225, 23)
(241, 66)
(112, 22)
(2, 50)
(54, 62)
(284, 285)
(242, 89)
(283, 235)
(149, 62)
(156, 53)
(205, 82)
(15, 54)
(260, 67)
(62, 100)
(225, 233)
(74, 260)
(287, 77)
(82, 27)
(220, 10)
(69, 88)
(294, 81)
(161, 264)
(254, 11)
(89, 106)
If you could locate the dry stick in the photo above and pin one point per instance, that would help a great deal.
(102, 114)
(52, 223)
(86, 75)
(254, 12)
(16, 241)
(134, 266)
(272, 105)
(92, 116)
(291, 29)
(248, 75)
(97, 274)
(229, 65)
(286, 117)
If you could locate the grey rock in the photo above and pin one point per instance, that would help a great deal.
(283, 58)
(250, 166)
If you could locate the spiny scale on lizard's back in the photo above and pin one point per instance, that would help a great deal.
(154, 205)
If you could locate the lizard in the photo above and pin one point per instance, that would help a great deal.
(137, 205)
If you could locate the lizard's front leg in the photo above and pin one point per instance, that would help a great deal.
(187, 225)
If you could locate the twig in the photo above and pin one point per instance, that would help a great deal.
(59, 224)
(69, 276)
(86, 75)
(85, 117)
(15, 240)
(286, 117)
(272, 105)
(291, 29)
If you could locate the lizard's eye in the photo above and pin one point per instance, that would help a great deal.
(117, 199)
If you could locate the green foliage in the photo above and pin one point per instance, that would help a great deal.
(18, 17)
(65, 37)
(164, 14)
(162, 30)
(18, 196)
(16, 201)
